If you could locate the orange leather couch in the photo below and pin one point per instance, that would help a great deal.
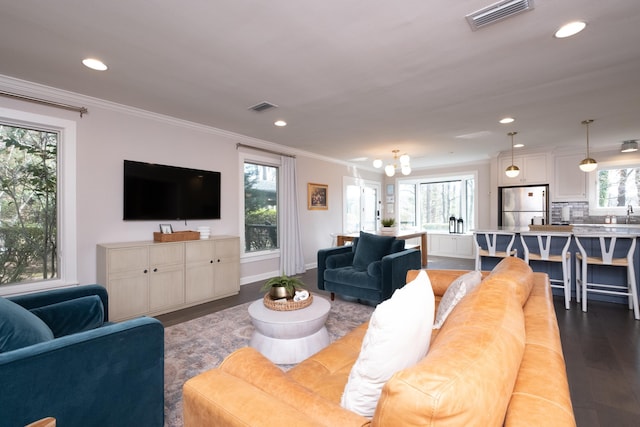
(496, 361)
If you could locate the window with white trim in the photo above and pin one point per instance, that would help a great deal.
(37, 202)
(426, 204)
(260, 206)
(615, 188)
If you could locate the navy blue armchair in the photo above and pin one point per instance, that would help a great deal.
(371, 269)
(61, 358)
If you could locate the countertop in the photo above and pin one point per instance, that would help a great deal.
(581, 229)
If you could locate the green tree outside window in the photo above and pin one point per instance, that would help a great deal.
(28, 205)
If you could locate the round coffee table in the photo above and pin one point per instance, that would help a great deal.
(288, 337)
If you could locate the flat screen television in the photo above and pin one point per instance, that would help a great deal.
(160, 192)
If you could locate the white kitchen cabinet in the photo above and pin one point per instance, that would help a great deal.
(150, 278)
(569, 183)
(533, 170)
(451, 245)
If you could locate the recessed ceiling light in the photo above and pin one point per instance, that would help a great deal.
(570, 29)
(518, 145)
(506, 120)
(280, 123)
(94, 64)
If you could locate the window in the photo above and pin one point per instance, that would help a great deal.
(361, 205)
(37, 202)
(352, 209)
(28, 206)
(616, 187)
(407, 206)
(426, 204)
(260, 207)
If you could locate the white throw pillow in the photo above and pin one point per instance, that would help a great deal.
(455, 292)
(398, 337)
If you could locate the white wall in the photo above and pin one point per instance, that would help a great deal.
(318, 225)
(111, 133)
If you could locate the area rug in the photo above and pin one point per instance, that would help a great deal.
(201, 344)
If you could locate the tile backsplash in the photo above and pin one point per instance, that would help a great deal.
(579, 214)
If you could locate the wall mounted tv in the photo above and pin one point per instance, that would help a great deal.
(160, 192)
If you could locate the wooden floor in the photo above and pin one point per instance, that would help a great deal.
(601, 350)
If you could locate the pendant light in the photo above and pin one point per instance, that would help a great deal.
(512, 171)
(588, 164)
(390, 169)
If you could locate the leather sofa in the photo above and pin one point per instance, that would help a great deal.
(497, 360)
(83, 370)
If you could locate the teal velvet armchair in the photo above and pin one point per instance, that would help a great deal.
(61, 358)
(371, 269)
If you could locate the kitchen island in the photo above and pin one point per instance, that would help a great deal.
(588, 234)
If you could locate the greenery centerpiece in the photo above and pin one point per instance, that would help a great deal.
(388, 222)
(282, 286)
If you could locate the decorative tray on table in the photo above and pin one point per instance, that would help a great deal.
(290, 305)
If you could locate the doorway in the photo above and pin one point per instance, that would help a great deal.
(361, 205)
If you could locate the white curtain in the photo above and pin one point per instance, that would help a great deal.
(291, 256)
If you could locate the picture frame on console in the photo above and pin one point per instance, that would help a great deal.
(166, 229)
(317, 196)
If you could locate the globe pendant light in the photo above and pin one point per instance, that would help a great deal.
(588, 164)
(390, 169)
(512, 171)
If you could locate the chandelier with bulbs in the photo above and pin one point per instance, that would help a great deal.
(390, 169)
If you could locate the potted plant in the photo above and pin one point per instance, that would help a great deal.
(388, 225)
(282, 286)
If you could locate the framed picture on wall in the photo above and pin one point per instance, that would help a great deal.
(317, 196)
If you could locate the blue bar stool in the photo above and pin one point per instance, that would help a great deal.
(597, 250)
(495, 244)
(550, 247)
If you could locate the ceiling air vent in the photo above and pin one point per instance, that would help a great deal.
(262, 106)
(497, 12)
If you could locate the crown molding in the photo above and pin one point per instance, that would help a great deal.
(37, 90)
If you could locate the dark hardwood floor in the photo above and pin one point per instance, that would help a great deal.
(601, 350)
(602, 353)
(248, 292)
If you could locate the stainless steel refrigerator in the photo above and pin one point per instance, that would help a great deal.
(520, 205)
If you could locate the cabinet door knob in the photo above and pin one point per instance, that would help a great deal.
(210, 261)
(145, 271)
(155, 270)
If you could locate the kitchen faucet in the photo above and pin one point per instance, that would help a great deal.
(629, 212)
